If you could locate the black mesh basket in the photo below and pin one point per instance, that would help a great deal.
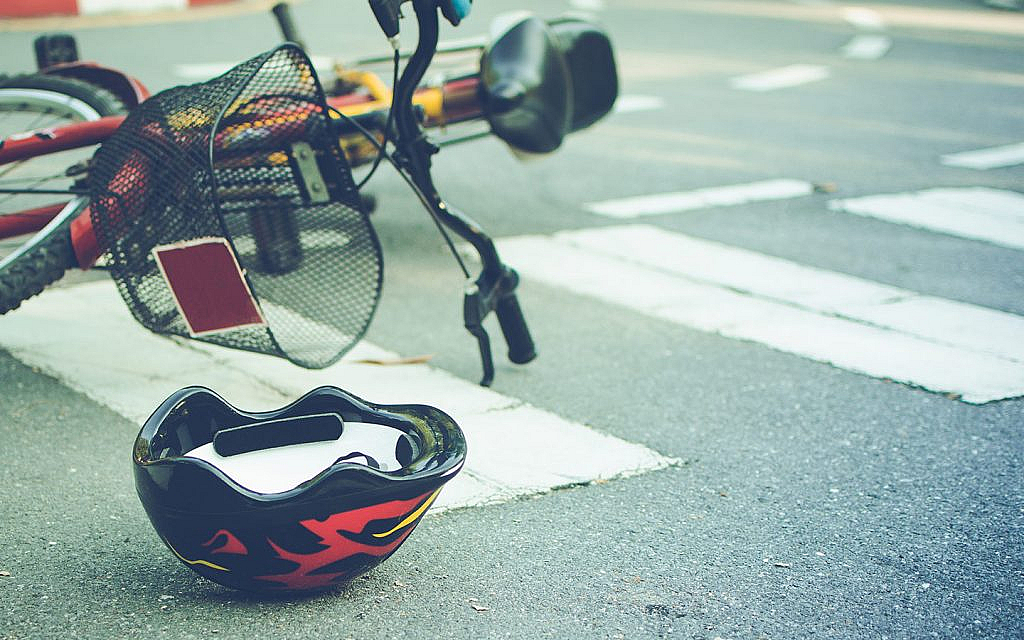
(230, 215)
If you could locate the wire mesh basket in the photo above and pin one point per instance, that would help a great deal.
(230, 215)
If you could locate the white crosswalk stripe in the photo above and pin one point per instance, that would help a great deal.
(991, 158)
(870, 46)
(631, 103)
(882, 331)
(677, 201)
(782, 78)
(863, 18)
(587, 5)
(514, 449)
(978, 213)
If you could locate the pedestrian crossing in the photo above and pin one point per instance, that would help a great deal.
(515, 449)
(969, 352)
(884, 332)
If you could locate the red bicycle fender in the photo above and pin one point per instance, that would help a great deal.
(128, 89)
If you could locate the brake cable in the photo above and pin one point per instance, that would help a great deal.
(387, 126)
(383, 153)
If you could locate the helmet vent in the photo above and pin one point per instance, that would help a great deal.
(277, 433)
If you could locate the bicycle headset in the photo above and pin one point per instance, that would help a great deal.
(239, 498)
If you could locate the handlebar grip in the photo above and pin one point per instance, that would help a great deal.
(455, 10)
(510, 316)
(387, 13)
(282, 12)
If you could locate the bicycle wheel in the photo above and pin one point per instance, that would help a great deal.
(28, 103)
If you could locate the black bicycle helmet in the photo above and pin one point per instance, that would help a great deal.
(302, 498)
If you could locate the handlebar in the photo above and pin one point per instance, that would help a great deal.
(283, 15)
(513, 325)
(388, 12)
(494, 288)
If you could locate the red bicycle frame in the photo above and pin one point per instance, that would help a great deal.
(456, 101)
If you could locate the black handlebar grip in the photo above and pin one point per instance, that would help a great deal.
(282, 12)
(520, 344)
(387, 13)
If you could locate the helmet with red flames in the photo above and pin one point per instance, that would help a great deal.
(302, 498)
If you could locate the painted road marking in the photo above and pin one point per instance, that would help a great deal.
(851, 323)
(86, 7)
(977, 213)
(514, 449)
(895, 14)
(679, 201)
(633, 103)
(781, 78)
(863, 18)
(993, 158)
(867, 47)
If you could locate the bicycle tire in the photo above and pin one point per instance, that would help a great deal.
(46, 100)
(100, 101)
(38, 266)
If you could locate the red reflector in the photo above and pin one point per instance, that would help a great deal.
(208, 286)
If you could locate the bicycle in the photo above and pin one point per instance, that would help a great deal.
(279, 144)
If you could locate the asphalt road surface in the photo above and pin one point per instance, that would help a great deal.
(786, 273)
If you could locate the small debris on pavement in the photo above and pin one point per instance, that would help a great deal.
(783, 565)
(479, 608)
(5, 574)
(387, 362)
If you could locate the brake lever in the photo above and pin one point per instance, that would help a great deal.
(494, 291)
(474, 311)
